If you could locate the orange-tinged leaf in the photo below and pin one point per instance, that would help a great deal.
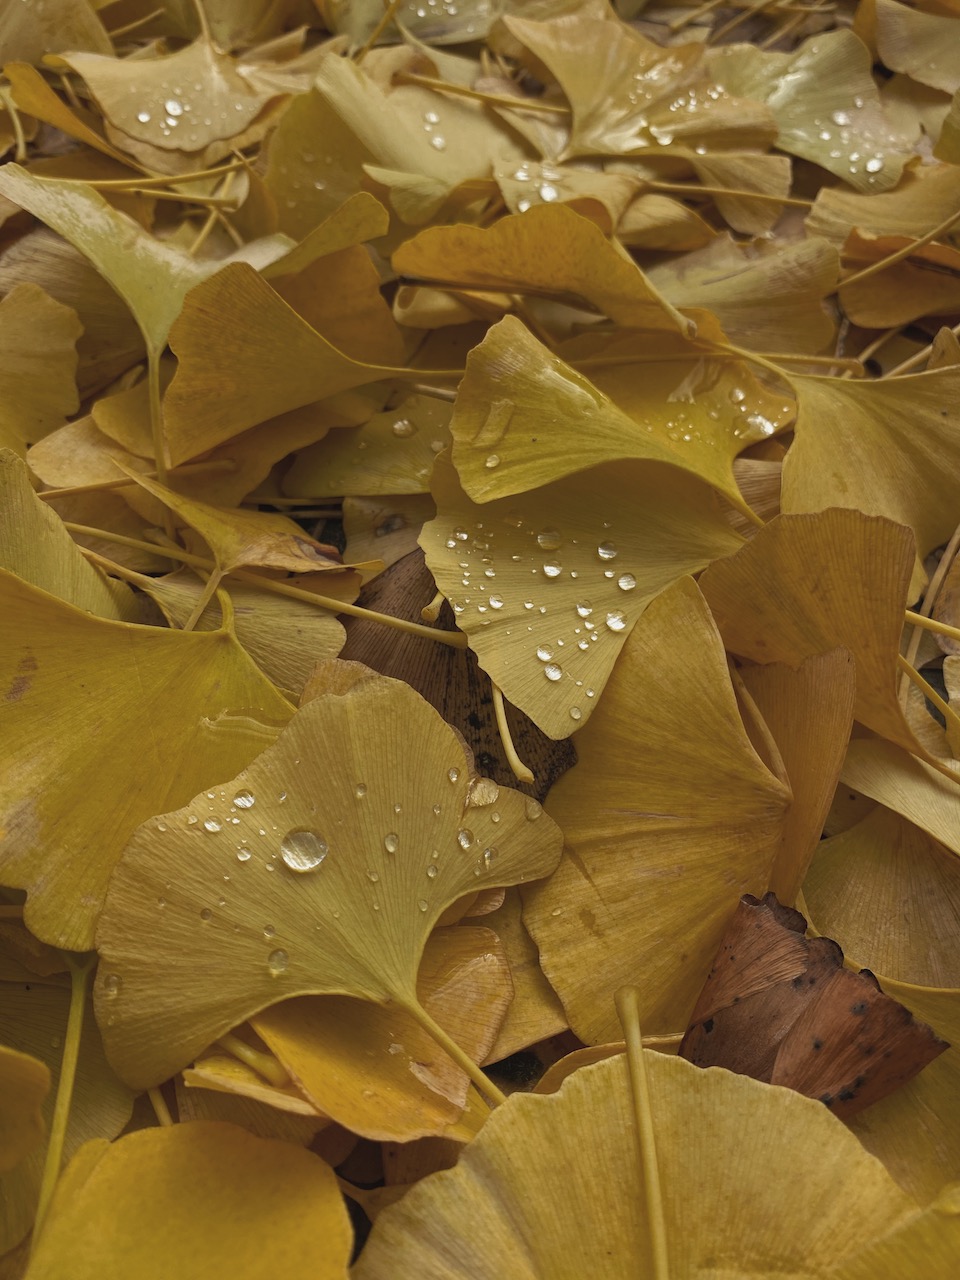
(548, 584)
(193, 706)
(355, 797)
(190, 1200)
(664, 830)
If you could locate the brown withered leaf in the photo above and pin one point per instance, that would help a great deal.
(781, 1008)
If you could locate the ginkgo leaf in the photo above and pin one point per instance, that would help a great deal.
(905, 784)
(887, 448)
(921, 45)
(807, 584)
(30, 31)
(626, 93)
(548, 584)
(339, 894)
(655, 862)
(260, 363)
(38, 365)
(76, 796)
(33, 1020)
(535, 1012)
(825, 102)
(809, 712)
(923, 284)
(386, 528)
(392, 453)
(927, 196)
(189, 1200)
(659, 222)
(766, 300)
(371, 1068)
(37, 548)
(24, 1083)
(523, 415)
(601, 197)
(32, 94)
(221, 1073)
(718, 1136)
(582, 263)
(948, 145)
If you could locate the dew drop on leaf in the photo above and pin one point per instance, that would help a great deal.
(302, 849)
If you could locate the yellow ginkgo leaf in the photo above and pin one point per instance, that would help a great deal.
(890, 895)
(535, 1012)
(923, 284)
(219, 1072)
(948, 145)
(921, 45)
(371, 1067)
(37, 548)
(809, 712)
(807, 1196)
(523, 416)
(900, 781)
(32, 94)
(246, 356)
(583, 264)
(214, 1090)
(927, 196)
(825, 102)
(38, 365)
(30, 31)
(664, 830)
(771, 300)
(191, 1200)
(24, 1083)
(392, 453)
(145, 716)
(807, 584)
(385, 528)
(339, 894)
(548, 584)
(33, 1020)
(887, 448)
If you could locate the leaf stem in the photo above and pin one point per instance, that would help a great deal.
(495, 99)
(80, 968)
(687, 188)
(520, 771)
(386, 18)
(160, 1108)
(918, 357)
(627, 1001)
(95, 486)
(206, 595)
(892, 259)
(431, 612)
(930, 693)
(265, 1064)
(932, 624)
(453, 1050)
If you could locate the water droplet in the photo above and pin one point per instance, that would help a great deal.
(840, 117)
(874, 165)
(496, 602)
(626, 582)
(437, 810)
(557, 911)
(549, 540)
(211, 824)
(422, 904)
(438, 142)
(161, 902)
(404, 428)
(391, 842)
(277, 961)
(553, 671)
(173, 107)
(143, 117)
(464, 838)
(616, 621)
(493, 460)
(206, 914)
(606, 551)
(431, 117)
(192, 820)
(243, 855)
(303, 850)
(453, 774)
(373, 877)
(548, 192)
(244, 800)
(532, 808)
(432, 872)
(112, 984)
(161, 826)
(575, 713)
(269, 931)
(552, 568)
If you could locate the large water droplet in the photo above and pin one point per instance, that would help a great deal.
(244, 800)
(211, 825)
(303, 850)
(492, 461)
(552, 568)
(615, 620)
(453, 774)
(464, 838)
(277, 961)
(403, 428)
(206, 915)
(112, 984)
(584, 609)
(549, 540)
(553, 671)
(391, 842)
(626, 582)
(606, 551)
(432, 872)
(544, 653)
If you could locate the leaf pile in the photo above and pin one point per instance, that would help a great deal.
(479, 494)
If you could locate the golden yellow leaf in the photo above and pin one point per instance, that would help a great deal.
(24, 1083)
(37, 548)
(720, 1138)
(371, 1067)
(192, 1200)
(535, 1012)
(923, 284)
(548, 584)
(669, 815)
(886, 448)
(659, 222)
(145, 716)
(923, 46)
(905, 784)
(38, 365)
(217, 1071)
(385, 528)
(338, 896)
(582, 264)
(948, 144)
(30, 31)
(926, 197)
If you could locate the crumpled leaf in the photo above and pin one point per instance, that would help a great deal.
(191, 1199)
(371, 1068)
(194, 705)
(338, 855)
(887, 448)
(582, 263)
(655, 866)
(38, 364)
(548, 584)
(825, 103)
(714, 1135)
(35, 546)
(24, 1083)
